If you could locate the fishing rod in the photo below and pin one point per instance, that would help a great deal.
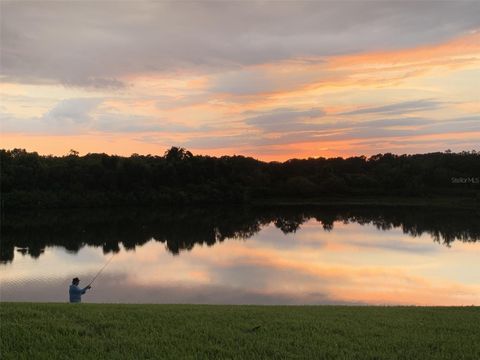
(100, 271)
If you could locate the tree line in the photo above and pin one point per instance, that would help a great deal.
(32, 180)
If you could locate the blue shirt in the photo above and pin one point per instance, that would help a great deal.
(76, 293)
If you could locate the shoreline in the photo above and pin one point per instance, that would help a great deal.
(220, 305)
(442, 202)
(455, 202)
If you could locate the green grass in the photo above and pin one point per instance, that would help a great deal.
(97, 331)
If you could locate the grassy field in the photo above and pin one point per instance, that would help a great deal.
(96, 331)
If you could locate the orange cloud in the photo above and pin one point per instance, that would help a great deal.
(465, 47)
(372, 69)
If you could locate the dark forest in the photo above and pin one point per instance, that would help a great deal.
(179, 177)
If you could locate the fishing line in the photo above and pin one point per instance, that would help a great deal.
(100, 271)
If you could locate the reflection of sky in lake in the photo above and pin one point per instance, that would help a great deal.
(350, 264)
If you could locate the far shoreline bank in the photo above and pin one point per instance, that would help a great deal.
(431, 201)
(453, 202)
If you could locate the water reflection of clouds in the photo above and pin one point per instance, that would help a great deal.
(352, 264)
(387, 245)
(354, 236)
(311, 235)
(54, 260)
(117, 289)
(268, 276)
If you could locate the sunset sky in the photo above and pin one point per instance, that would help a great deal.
(272, 80)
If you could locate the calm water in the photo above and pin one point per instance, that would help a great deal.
(290, 255)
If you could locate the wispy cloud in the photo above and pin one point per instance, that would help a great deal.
(84, 115)
(67, 116)
(398, 108)
(70, 111)
(285, 120)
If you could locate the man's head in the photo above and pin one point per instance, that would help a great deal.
(75, 281)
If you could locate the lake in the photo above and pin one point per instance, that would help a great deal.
(236, 255)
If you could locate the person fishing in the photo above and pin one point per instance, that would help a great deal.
(76, 292)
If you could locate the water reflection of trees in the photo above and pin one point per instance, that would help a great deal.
(181, 230)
